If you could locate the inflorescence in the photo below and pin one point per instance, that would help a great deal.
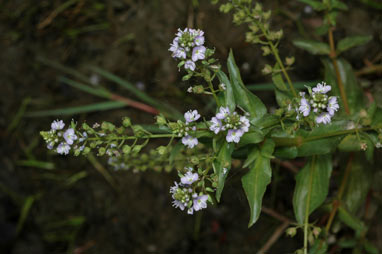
(318, 104)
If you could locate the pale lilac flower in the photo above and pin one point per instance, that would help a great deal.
(324, 118)
(174, 45)
(70, 136)
(84, 137)
(178, 204)
(304, 107)
(234, 135)
(200, 202)
(189, 141)
(189, 65)
(50, 146)
(198, 53)
(191, 116)
(57, 125)
(332, 105)
(223, 113)
(199, 40)
(63, 148)
(322, 88)
(179, 53)
(189, 178)
(216, 125)
(244, 124)
(173, 189)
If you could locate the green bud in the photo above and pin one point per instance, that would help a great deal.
(289, 60)
(316, 231)
(194, 160)
(138, 130)
(86, 150)
(161, 120)
(126, 122)
(291, 231)
(107, 126)
(101, 151)
(199, 89)
(162, 150)
(126, 149)
(267, 69)
(266, 50)
(85, 126)
(267, 15)
(137, 148)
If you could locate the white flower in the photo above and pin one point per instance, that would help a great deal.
(304, 107)
(189, 178)
(223, 113)
(222, 86)
(322, 88)
(179, 53)
(189, 65)
(70, 136)
(57, 125)
(332, 105)
(234, 135)
(216, 125)
(200, 202)
(324, 118)
(189, 141)
(63, 148)
(189, 90)
(378, 145)
(50, 146)
(190, 210)
(191, 116)
(244, 124)
(198, 53)
(174, 45)
(178, 204)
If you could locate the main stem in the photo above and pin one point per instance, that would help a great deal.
(306, 220)
(333, 57)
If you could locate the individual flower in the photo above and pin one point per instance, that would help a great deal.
(191, 116)
(332, 105)
(189, 65)
(223, 113)
(70, 136)
(190, 210)
(174, 45)
(216, 125)
(304, 107)
(189, 141)
(244, 124)
(198, 53)
(57, 125)
(200, 202)
(63, 148)
(50, 145)
(179, 53)
(324, 118)
(234, 135)
(189, 178)
(199, 40)
(322, 88)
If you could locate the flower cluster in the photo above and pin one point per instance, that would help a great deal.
(184, 129)
(188, 47)
(235, 124)
(318, 102)
(185, 195)
(61, 140)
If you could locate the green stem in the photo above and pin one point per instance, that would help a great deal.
(276, 54)
(133, 137)
(213, 91)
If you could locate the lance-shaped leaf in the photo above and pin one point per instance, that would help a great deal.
(312, 184)
(313, 47)
(317, 5)
(222, 165)
(352, 41)
(229, 97)
(352, 89)
(243, 96)
(255, 181)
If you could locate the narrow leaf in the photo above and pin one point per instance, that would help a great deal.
(312, 185)
(317, 5)
(228, 93)
(352, 41)
(243, 96)
(255, 181)
(222, 165)
(314, 47)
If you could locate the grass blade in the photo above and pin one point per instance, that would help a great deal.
(271, 87)
(102, 106)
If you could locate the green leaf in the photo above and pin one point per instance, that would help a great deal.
(353, 91)
(314, 47)
(350, 220)
(222, 165)
(283, 96)
(339, 5)
(228, 93)
(370, 248)
(312, 185)
(96, 107)
(352, 41)
(358, 184)
(243, 96)
(349, 143)
(320, 246)
(254, 136)
(317, 5)
(286, 152)
(255, 181)
(28, 202)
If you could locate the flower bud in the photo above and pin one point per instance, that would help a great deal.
(291, 231)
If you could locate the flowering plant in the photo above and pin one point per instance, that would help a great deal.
(313, 123)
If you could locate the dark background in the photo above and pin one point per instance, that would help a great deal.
(131, 39)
